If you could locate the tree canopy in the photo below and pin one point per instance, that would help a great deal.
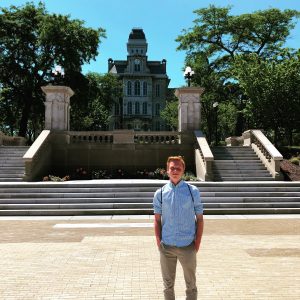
(32, 42)
(218, 48)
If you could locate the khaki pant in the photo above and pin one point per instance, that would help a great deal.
(168, 261)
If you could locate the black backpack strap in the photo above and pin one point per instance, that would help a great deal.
(190, 192)
(161, 190)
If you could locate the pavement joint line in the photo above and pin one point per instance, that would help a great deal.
(105, 225)
(142, 217)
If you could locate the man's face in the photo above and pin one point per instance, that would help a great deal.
(175, 171)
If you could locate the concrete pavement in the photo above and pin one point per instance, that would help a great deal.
(242, 257)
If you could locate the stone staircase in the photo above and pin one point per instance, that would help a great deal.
(238, 164)
(12, 167)
(135, 197)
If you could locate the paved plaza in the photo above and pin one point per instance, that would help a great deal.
(242, 257)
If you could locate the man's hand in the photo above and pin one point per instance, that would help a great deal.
(199, 232)
(157, 228)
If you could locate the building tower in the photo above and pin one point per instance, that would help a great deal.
(145, 85)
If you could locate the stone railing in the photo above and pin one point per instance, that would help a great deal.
(98, 137)
(203, 158)
(265, 150)
(6, 140)
(159, 137)
(124, 137)
(37, 157)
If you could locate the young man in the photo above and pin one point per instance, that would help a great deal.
(178, 228)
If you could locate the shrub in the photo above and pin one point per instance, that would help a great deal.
(295, 161)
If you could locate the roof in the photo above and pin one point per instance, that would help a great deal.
(137, 34)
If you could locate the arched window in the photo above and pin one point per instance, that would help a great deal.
(137, 108)
(137, 88)
(137, 65)
(144, 88)
(129, 88)
(145, 110)
(157, 109)
(157, 90)
(129, 108)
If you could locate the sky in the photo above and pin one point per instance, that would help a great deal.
(161, 20)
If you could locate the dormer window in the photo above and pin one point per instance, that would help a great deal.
(137, 65)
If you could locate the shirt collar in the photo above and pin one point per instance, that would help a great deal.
(179, 184)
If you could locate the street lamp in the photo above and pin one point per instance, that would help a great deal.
(188, 73)
(215, 106)
(58, 75)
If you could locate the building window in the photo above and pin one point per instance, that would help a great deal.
(145, 108)
(157, 109)
(157, 126)
(137, 65)
(117, 125)
(129, 108)
(137, 108)
(117, 109)
(144, 88)
(137, 88)
(129, 88)
(157, 90)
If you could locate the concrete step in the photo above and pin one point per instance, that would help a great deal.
(242, 178)
(12, 167)
(76, 212)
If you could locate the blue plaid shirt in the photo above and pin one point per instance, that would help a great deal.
(178, 212)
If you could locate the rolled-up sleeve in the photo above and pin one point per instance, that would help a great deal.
(197, 201)
(157, 203)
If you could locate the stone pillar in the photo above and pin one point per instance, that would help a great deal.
(189, 108)
(57, 107)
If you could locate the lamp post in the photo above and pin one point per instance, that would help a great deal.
(188, 73)
(215, 106)
(58, 75)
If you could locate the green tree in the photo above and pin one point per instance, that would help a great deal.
(273, 88)
(213, 44)
(170, 113)
(32, 42)
(221, 36)
(99, 92)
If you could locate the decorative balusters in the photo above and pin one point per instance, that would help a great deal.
(160, 138)
(88, 137)
(261, 147)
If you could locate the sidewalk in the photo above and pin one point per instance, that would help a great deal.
(242, 257)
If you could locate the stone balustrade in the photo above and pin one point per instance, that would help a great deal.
(37, 158)
(98, 137)
(160, 137)
(265, 150)
(6, 140)
(203, 157)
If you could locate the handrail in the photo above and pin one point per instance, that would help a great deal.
(266, 151)
(203, 157)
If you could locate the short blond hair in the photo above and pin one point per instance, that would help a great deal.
(175, 158)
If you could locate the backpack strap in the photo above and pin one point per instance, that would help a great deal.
(161, 190)
(190, 192)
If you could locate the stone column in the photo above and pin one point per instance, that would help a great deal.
(189, 108)
(57, 110)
